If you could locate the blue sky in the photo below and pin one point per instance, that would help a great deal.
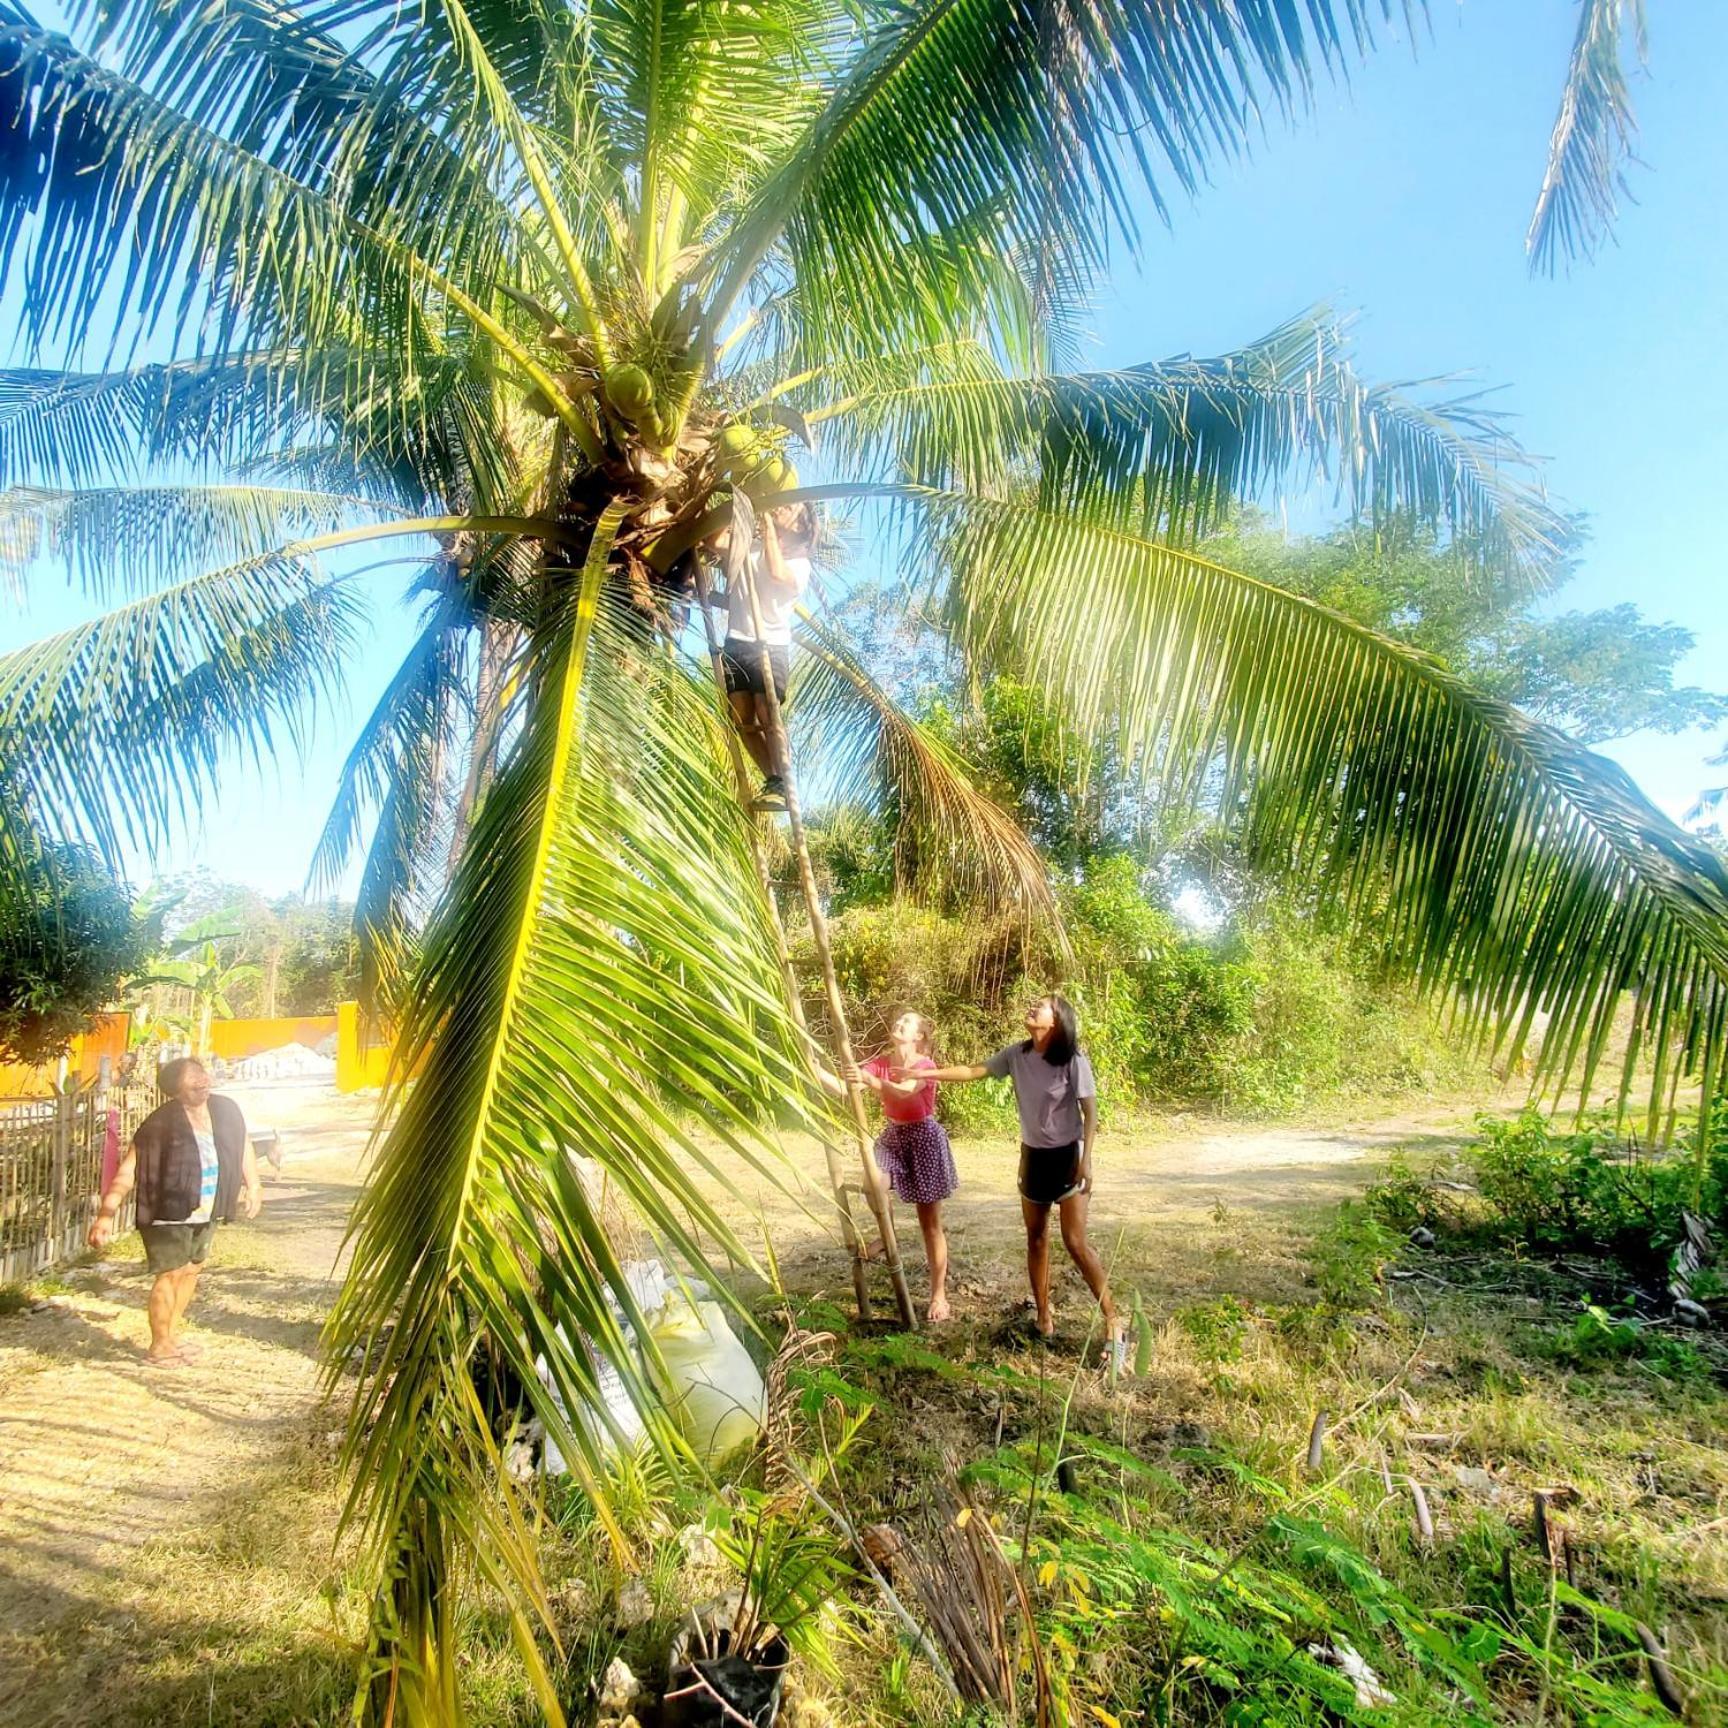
(1404, 196)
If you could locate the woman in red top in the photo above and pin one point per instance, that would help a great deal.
(913, 1149)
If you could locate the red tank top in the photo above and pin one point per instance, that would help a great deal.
(916, 1106)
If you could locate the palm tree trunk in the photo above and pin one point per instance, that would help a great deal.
(875, 1191)
(497, 649)
(794, 997)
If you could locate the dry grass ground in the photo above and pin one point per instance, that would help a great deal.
(166, 1537)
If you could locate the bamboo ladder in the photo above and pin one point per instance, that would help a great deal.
(872, 1188)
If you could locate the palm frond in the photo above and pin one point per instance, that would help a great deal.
(1169, 446)
(117, 539)
(699, 98)
(112, 730)
(412, 427)
(602, 979)
(327, 104)
(396, 770)
(124, 199)
(1592, 137)
(951, 841)
(1039, 112)
(1493, 858)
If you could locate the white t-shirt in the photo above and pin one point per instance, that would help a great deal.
(774, 600)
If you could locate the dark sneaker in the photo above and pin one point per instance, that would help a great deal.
(772, 797)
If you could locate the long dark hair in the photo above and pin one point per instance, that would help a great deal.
(1064, 1043)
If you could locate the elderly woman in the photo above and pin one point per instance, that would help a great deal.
(191, 1162)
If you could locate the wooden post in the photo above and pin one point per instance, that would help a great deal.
(875, 1192)
(789, 979)
(60, 1145)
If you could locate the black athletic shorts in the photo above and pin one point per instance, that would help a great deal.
(742, 664)
(168, 1247)
(1049, 1173)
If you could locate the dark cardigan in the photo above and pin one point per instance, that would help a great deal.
(170, 1174)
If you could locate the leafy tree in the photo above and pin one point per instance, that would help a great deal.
(300, 955)
(554, 289)
(1599, 675)
(317, 958)
(64, 950)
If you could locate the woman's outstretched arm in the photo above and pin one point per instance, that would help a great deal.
(977, 1071)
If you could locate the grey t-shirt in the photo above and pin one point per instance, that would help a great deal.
(1048, 1095)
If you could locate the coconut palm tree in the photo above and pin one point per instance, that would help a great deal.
(553, 290)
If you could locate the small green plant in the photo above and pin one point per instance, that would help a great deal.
(14, 1299)
(1349, 1257)
(1673, 1358)
(791, 1560)
(1402, 1199)
(1596, 1337)
(1217, 1328)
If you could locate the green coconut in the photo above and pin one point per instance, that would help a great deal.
(737, 447)
(775, 475)
(629, 390)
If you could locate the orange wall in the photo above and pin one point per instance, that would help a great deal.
(235, 1040)
(106, 1036)
(358, 1063)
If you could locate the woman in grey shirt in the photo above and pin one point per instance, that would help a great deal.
(1057, 1101)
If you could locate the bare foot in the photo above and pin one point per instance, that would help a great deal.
(938, 1310)
(167, 1359)
(877, 1250)
(187, 1351)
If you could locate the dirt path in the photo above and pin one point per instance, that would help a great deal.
(114, 1475)
(133, 1499)
(1183, 1214)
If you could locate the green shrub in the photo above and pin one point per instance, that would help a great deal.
(1585, 1190)
(1270, 1017)
(1349, 1256)
(1403, 1200)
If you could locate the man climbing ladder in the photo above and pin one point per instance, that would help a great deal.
(749, 579)
(758, 644)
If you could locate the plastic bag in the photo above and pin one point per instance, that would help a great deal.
(625, 1425)
(710, 1383)
(615, 1420)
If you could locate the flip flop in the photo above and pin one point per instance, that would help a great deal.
(174, 1360)
(188, 1351)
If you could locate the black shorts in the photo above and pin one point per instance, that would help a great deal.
(1049, 1173)
(168, 1247)
(742, 664)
